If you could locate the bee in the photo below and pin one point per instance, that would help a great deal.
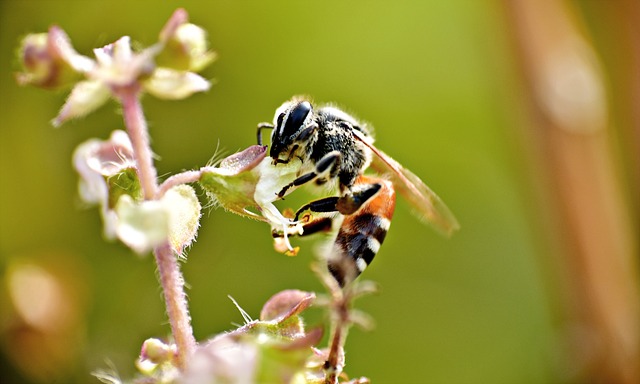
(334, 149)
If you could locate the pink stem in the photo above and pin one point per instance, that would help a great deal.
(168, 267)
(341, 301)
(176, 302)
(178, 179)
(139, 135)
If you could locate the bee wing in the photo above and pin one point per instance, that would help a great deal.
(428, 206)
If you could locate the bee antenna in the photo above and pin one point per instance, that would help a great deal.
(262, 126)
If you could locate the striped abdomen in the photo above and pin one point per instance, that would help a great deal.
(362, 233)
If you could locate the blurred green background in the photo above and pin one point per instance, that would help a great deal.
(440, 83)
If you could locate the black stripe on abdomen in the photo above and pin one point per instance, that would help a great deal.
(356, 245)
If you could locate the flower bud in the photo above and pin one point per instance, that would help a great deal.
(186, 46)
(119, 66)
(49, 61)
(157, 351)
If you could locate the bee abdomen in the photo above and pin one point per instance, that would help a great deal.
(361, 234)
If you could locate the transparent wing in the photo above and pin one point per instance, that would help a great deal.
(427, 205)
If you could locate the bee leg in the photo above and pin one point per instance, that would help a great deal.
(346, 205)
(350, 202)
(326, 205)
(321, 224)
(327, 166)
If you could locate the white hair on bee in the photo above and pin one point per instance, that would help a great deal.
(337, 111)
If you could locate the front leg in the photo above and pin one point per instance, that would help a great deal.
(327, 166)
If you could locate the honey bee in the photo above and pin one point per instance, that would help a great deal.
(333, 148)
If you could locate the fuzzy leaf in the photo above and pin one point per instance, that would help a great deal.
(233, 184)
(283, 309)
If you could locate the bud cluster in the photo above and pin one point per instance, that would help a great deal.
(166, 70)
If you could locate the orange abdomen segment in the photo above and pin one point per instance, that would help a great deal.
(362, 233)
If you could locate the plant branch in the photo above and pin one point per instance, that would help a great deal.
(139, 135)
(339, 305)
(178, 179)
(334, 365)
(176, 302)
(168, 268)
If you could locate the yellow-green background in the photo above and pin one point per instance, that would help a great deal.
(437, 81)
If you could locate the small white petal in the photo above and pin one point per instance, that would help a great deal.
(85, 97)
(61, 44)
(194, 42)
(122, 49)
(171, 84)
(119, 66)
(95, 160)
(141, 225)
(93, 188)
(183, 208)
(272, 179)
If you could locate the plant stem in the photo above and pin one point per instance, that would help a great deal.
(168, 268)
(139, 135)
(178, 179)
(334, 365)
(176, 302)
(576, 156)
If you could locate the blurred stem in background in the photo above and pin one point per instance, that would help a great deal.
(574, 147)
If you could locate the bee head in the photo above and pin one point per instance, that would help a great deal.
(292, 127)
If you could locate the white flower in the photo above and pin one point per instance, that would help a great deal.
(96, 161)
(108, 178)
(248, 179)
(141, 226)
(144, 225)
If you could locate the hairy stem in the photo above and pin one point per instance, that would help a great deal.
(139, 136)
(176, 302)
(178, 179)
(334, 364)
(168, 267)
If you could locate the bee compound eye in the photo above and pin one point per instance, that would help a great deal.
(296, 118)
